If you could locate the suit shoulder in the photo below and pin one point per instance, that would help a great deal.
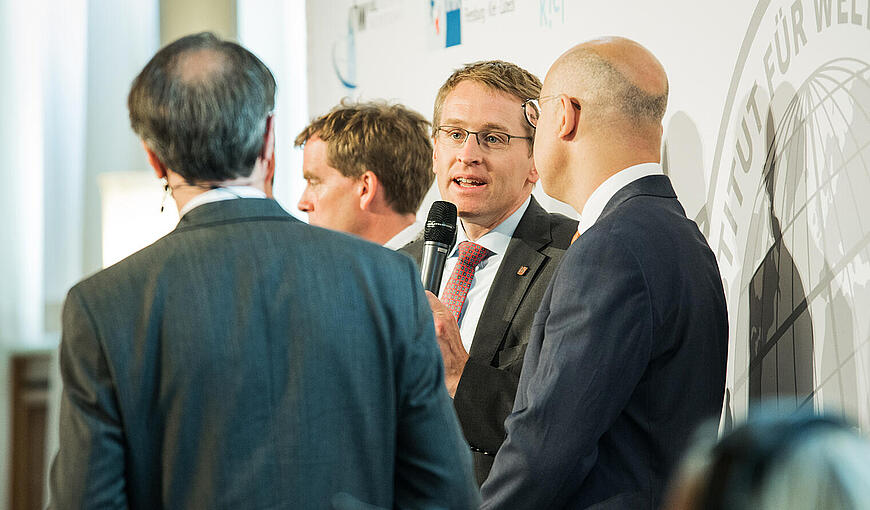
(561, 220)
(355, 251)
(414, 249)
(562, 227)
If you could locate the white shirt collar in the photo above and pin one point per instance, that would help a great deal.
(604, 192)
(405, 236)
(223, 193)
(497, 239)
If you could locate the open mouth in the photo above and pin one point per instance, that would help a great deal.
(465, 182)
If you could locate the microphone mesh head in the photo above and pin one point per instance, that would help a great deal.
(441, 223)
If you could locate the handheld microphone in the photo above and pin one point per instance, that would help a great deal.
(438, 239)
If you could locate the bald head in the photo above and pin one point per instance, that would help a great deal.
(615, 79)
(199, 65)
(605, 100)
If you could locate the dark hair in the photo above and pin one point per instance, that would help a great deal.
(742, 460)
(799, 461)
(391, 141)
(201, 105)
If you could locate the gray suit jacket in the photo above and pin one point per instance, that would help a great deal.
(248, 360)
(485, 395)
(627, 357)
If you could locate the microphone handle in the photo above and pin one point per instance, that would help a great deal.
(432, 267)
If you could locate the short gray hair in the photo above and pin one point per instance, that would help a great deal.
(205, 122)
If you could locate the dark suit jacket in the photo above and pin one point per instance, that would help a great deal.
(248, 360)
(485, 395)
(627, 356)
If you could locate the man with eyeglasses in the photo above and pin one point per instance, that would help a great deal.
(507, 245)
(628, 351)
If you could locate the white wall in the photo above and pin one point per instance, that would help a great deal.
(122, 37)
(275, 31)
(21, 170)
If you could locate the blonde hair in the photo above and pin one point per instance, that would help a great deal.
(495, 74)
(391, 141)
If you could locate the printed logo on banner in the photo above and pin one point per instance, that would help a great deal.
(550, 11)
(344, 50)
(480, 11)
(453, 23)
(789, 218)
(445, 23)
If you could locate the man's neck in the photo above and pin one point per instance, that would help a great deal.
(384, 227)
(183, 192)
(476, 228)
(598, 166)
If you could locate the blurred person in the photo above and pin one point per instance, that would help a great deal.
(246, 359)
(797, 462)
(628, 349)
(367, 167)
(507, 245)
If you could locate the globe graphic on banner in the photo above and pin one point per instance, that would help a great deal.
(805, 288)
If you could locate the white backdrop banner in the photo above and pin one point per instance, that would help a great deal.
(767, 140)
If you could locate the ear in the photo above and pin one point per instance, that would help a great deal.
(269, 182)
(434, 152)
(267, 154)
(368, 189)
(569, 118)
(154, 161)
(268, 150)
(533, 173)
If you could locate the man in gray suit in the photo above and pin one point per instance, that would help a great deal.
(483, 164)
(247, 360)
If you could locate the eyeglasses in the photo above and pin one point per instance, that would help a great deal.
(455, 137)
(532, 108)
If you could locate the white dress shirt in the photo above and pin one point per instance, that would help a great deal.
(408, 234)
(218, 194)
(496, 241)
(603, 193)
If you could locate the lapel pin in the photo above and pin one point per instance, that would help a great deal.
(522, 270)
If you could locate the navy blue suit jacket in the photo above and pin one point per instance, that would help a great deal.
(627, 355)
(248, 360)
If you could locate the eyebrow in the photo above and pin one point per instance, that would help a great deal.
(489, 126)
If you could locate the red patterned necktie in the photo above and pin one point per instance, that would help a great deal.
(470, 255)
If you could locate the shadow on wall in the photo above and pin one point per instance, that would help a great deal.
(808, 246)
(683, 162)
(780, 324)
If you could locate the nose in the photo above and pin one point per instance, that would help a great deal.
(470, 153)
(305, 204)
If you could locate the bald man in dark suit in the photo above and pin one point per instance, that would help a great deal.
(628, 350)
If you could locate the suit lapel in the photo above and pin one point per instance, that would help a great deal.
(509, 287)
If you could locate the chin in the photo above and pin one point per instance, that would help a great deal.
(467, 213)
